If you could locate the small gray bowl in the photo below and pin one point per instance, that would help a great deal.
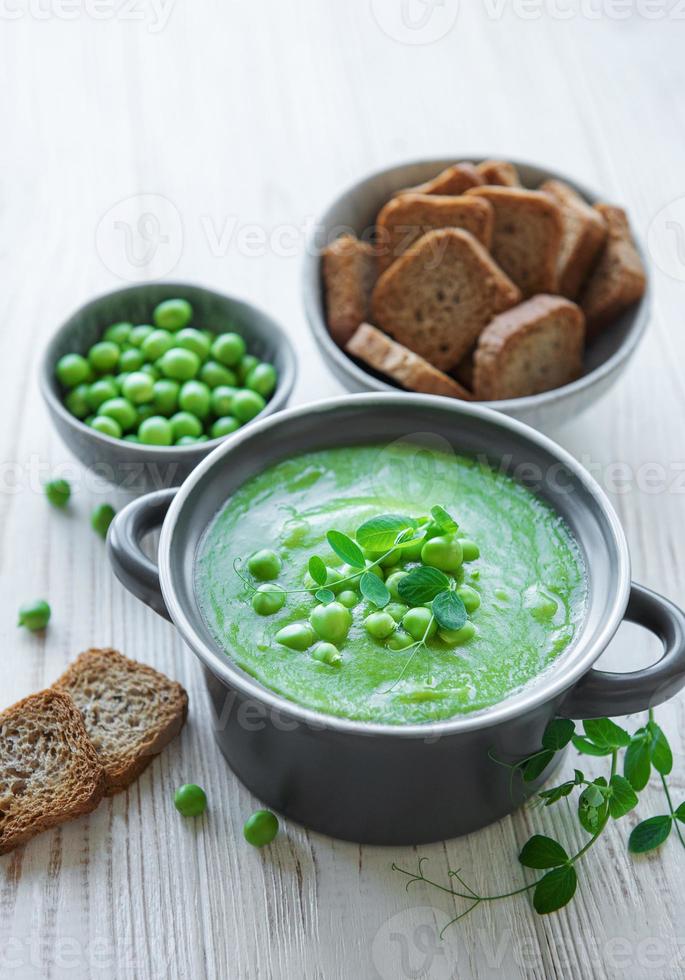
(355, 211)
(139, 467)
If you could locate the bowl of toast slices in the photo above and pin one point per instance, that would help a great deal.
(492, 281)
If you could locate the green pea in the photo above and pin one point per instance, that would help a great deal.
(156, 431)
(332, 581)
(296, 636)
(264, 564)
(120, 379)
(416, 621)
(151, 371)
(443, 552)
(195, 398)
(131, 438)
(262, 379)
(58, 492)
(34, 615)
(348, 598)
(469, 597)
(186, 441)
(469, 549)
(100, 392)
(190, 800)
(331, 622)
(385, 560)
(248, 363)
(138, 387)
(104, 356)
(118, 333)
(131, 360)
(77, 401)
(268, 599)
(172, 314)
(354, 574)
(214, 374)
(165, 396)
(121, 410)
(72, 370)
(101, 518)
(393, 582)
(261, 828)
(180, 364)
(458, 637)
(145, 412)
(542, 605)
(156, 344)
(107, 426)
(221, 399)
(396, 610)
(246, 404)
(379, 625)
(413, 551)
(193, 340)
(139, 333)
(400, 640)
(228, 348)
(327, 653)
(224, 426)
(185, 424)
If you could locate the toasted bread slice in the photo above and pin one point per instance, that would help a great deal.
(531, 348)
(618, 280)
(526, 239)
(439, 295)
(463, 372)
(349, 272)
(50, 769)
(454, 180)
(498, 172)
(584, 232)
(406, 218)
(400, 364)
(130, 711)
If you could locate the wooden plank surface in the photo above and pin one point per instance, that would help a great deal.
(233, 124)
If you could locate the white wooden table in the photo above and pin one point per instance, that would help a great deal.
(238, 121)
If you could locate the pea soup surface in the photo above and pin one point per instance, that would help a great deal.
(529, 577)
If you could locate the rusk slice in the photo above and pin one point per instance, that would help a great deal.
(453, 180)
(349, 273)
(498, 172)
(618, 280)
(584, 232)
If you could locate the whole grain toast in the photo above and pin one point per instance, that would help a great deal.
(400, 364)
(130, 711)
(50, 770)
(618, 279)
(439, 295)
(349, 272)
(526, 238)
(498, 172)
(404, 219)
(453, 180)
(533, 347)
(584, 232)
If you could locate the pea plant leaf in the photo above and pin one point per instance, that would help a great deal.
(536, 765)
(586, 747)
(422, 585)
(346, 548)
(659, 749)
(381, 533)
(449, 610)
(542, 852)
(318, 570)
(591, 808)
(558, 734)
(637, 760)
(374, 589)
(444, 520)
(622, 798)
(649, 834)
(557, 793)
(555, 890)
(679, 813)
(606, 734)
(324, 596)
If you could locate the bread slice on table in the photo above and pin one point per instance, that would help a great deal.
(453, 180)
(584, 232)
(526, 238)
(50, 771)
(349, 272)
(404, 219)
(531, 348)
(618, 279)
(498, 172)
(439, 295)
(405, 367)
(130, 711)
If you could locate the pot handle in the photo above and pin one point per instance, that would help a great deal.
(138, 573)
(600, 693)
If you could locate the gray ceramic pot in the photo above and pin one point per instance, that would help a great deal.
(355, 211)
(138, 467)
(387, 784)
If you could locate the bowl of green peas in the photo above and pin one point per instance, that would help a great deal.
(142, 383)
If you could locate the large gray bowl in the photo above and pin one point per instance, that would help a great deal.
(355, 211)
(137, 467)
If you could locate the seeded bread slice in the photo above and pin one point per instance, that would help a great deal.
(406, 218)
(50, 771)
(349, 272)
(531, 348)
(130, 711)
(526, 238)
(439, 295)
(618, 280)
(454, 180)
(498, 172)
(400, 364)
(584, 232)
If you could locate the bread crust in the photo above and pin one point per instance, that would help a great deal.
(453, 180)
(408, 369)
(618, 279)
(498, 172)
(349, 269)
(584, 233)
